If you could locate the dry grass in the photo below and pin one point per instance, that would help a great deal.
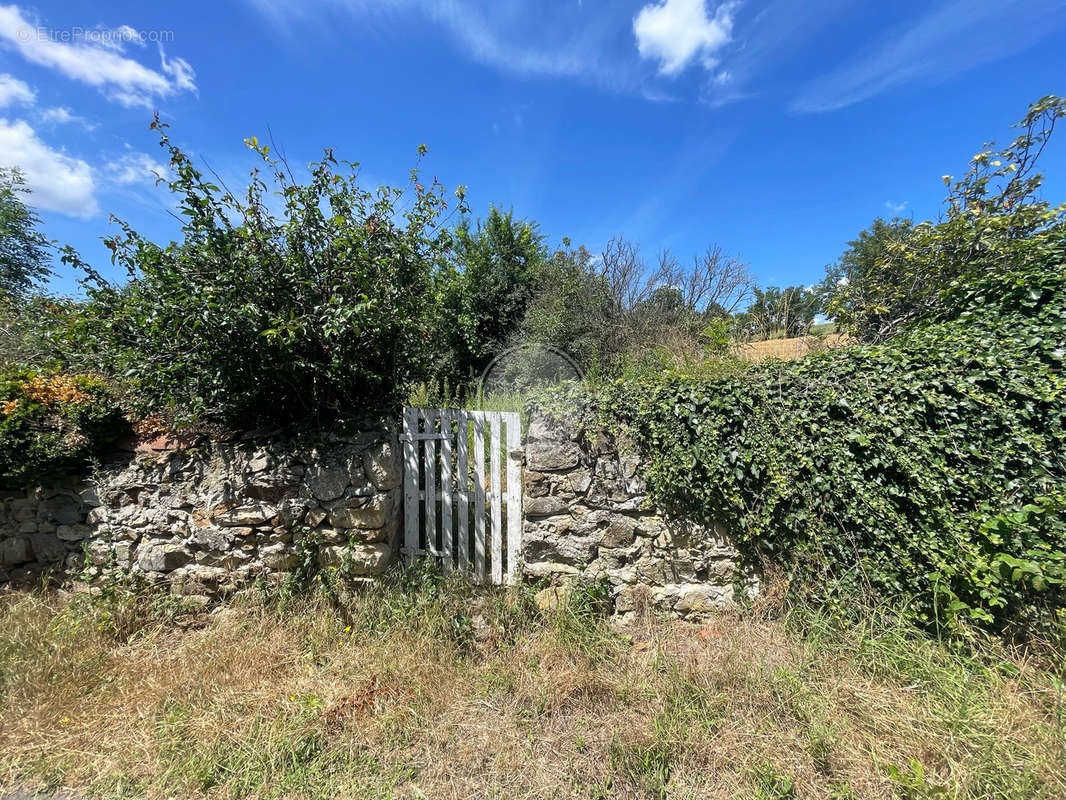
(429, 690)
(788, 349)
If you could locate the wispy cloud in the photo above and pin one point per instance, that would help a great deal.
(553, 39)
(678, 32)
(895, 208)
(59, 181)
(99, 62)
(15, 92)
(946, 41)
(135, 167)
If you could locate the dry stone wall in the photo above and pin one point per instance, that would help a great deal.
(587, 516)
(214, 517)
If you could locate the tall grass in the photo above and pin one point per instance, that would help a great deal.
(430, 687)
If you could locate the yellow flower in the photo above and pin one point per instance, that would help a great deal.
(8, 407)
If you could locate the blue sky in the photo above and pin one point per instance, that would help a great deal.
(776, 128)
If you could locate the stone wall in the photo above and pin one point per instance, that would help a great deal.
(214, 517)
(587, 516)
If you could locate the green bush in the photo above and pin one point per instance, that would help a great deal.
(53, 424)
(323, 308)
(931, 467)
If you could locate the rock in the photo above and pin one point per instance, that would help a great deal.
(548, 456)
(565, 549)
(278, 557)
(47, 548)
(549, 569)
(73, 533)
(63, 510)
(357, 559)
(212, 538)
(620, 531)
(382, 466)
(155, 556)
(327, 481)
(314, 517)
(369, 514)
(255, 514)
(16, 550)
(700, 598)
(553, 597)
(545, 506)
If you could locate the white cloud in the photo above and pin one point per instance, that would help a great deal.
(13, 91)
(58, 181)
(895, 207)
(100, 65)
(61, 115)
(677, 32)
(135, 168)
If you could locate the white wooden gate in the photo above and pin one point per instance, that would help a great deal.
(453, 510)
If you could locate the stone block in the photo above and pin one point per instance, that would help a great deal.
(358, 559)
(47, 548)
(161, 556)
(327, 481)
(15, 550)
(547, 456)
(371, 513)
(544, 506)
(241, 516)
(73, 533)
(381, 463)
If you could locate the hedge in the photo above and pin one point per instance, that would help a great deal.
(929, 468)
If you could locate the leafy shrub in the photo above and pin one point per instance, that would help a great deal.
(53, 424)
(931, 466)
(327, 307)
(995, 223)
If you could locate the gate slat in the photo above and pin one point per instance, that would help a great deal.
(447, 489)
(429, 417)
(410, 485)
(514, 494)
(479, 496)
(463, 485)
(495, 422)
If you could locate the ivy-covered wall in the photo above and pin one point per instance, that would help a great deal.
(214, 517)
(587, 517)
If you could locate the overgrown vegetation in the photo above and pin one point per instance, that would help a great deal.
(53, 424)
(428, 688)
(928, 470)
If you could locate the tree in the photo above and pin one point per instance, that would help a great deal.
(497, 265)
(669, 306)
(852, 276)
(779, 312)
(23, 249)
(326, 308)
(994, 224)
(571, 308)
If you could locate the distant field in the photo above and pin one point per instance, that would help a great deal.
(792, 348)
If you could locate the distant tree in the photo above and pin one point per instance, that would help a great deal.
(23, 249)
(850, 279)
(779, 312)
(498, 262)
(571, 308)
(671, 304)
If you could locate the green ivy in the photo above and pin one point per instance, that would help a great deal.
(931, 467)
